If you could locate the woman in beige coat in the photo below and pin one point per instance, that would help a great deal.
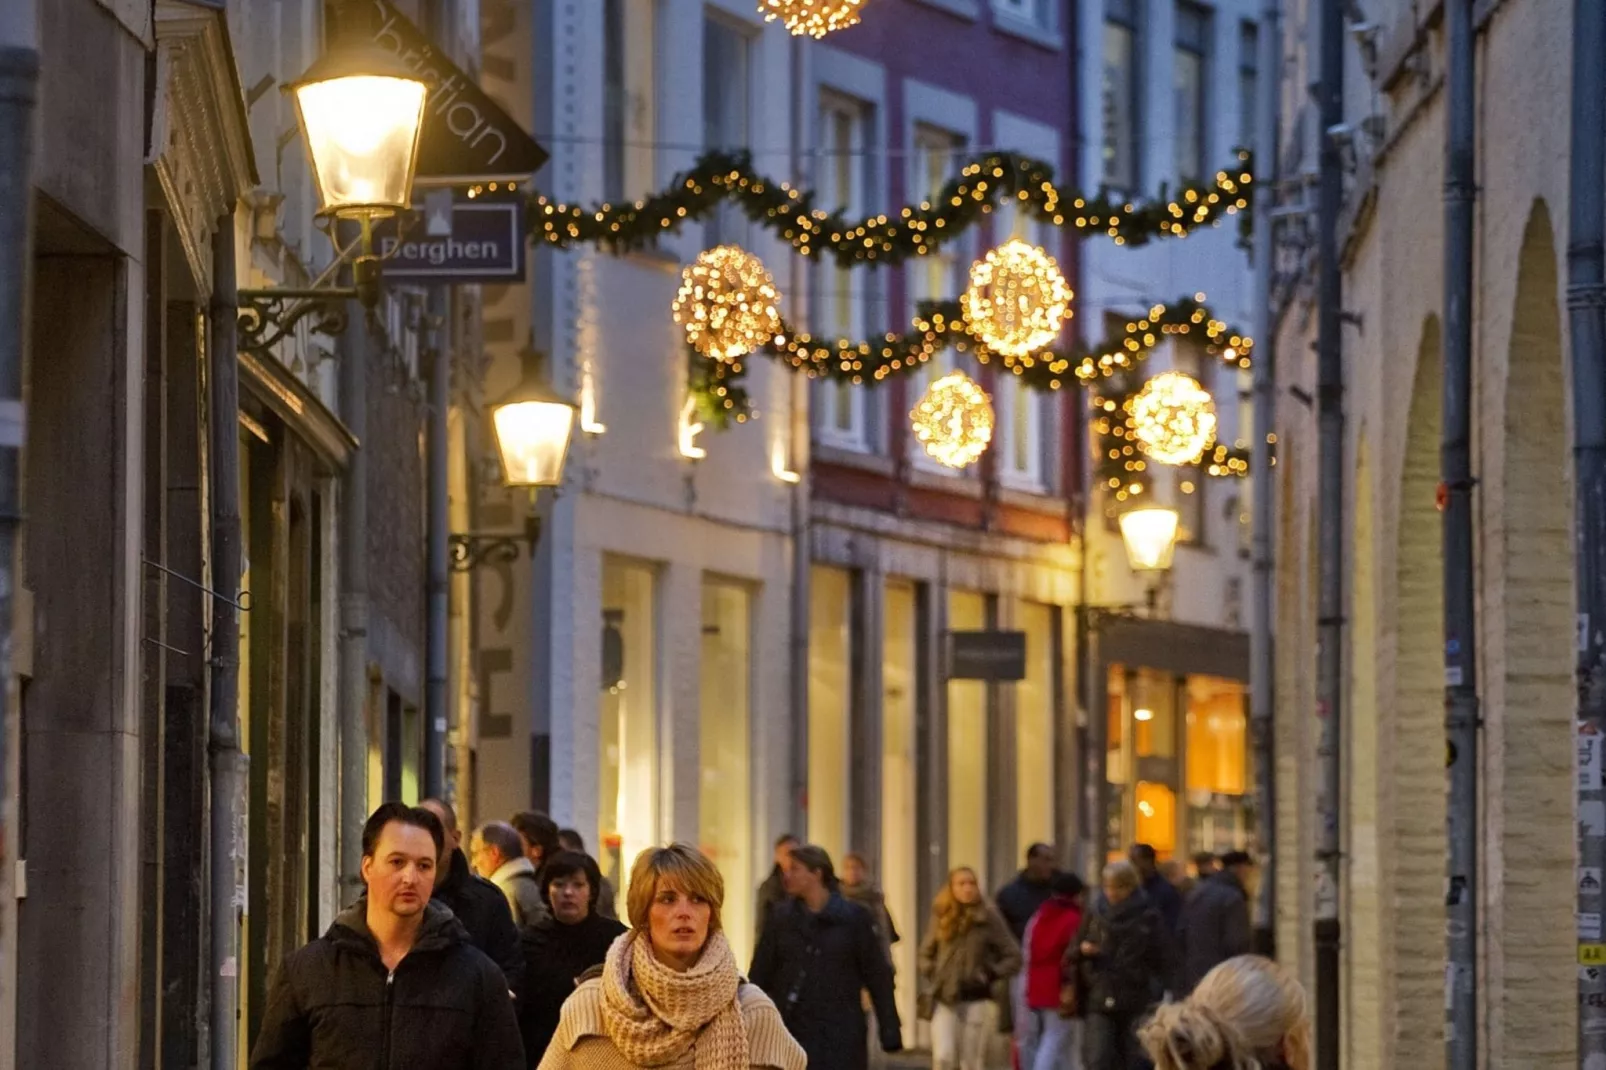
(967, 953)
(669, 995)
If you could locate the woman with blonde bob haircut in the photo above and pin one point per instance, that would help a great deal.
(1247, 1014)
(669, 994)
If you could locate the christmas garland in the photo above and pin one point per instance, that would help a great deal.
(981, 186)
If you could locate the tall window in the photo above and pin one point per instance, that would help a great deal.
(1188, 83)
(1119, 95)
(723, 796)
(727, 122)
(830, 706)
(1034, 727)
(1039, 13)
(1248, 82)
(1188, 484)
(629, 98)
(1024, 415)
(937, 157)
(900, 780)
(844, 295)
(627, 804)
(968, 732)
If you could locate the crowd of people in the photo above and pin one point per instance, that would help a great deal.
(509, 957)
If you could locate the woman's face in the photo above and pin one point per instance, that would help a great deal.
(678, 925)
(571, 898)
(963, 885)
(1116, 893)
(852, 872)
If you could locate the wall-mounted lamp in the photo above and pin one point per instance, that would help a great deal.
(690, 428)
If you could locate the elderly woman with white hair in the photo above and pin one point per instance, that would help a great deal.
(1121, 956)
(1247, 1014)
(669, 994)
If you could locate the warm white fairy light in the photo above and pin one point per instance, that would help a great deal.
(1173, 418)
(954, 420)
(1017, 301)
(727, 303)
(813, 17)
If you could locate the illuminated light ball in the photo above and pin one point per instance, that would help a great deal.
(1173, 418)
(1017, 300)
(954, 420)
(813, 17)
(726, 303)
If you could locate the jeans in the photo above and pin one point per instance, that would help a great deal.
(959, 1035)
(1110, 1042)
(1049, 1042)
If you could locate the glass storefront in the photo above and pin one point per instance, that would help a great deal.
(830, 707)
(724, 797)
(1034, 729)
(968, 731)
(1177, 762)
(900, 786)
(627, 810)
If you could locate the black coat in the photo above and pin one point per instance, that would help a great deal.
(1215, 928)
(557, 955)
(1019, 900)
(771, 894)
(1129, 973)
(483, 910)
(1165, 898)
(814, 966)
(334, 1006)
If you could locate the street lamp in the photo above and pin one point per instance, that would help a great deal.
(361, 112)
(1150, 535)
(532, 424)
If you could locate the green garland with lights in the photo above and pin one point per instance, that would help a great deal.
(980, 187)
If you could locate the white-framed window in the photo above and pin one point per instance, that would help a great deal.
(727, 111)
(1190, 72)
(1119, 96)
(1248, 81)
(629, 98)
(1037, 13)
(844, 297)
(937, 157)
(1024, 417)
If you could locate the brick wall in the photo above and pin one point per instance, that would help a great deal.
(396, 524)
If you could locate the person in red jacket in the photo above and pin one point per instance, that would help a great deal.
(1048, 1040)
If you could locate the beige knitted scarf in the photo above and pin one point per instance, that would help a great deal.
(654, 1015)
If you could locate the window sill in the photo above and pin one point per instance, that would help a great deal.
(826, 453)
(1034, 497)
(947, 480)
(965, 9)
(1028, 30)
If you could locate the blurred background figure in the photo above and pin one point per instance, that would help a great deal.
(1121, 953)
(966, 962)
(606, 905)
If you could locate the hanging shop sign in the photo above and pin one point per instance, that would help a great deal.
(467, 137)
(456, 241)
(988, 655)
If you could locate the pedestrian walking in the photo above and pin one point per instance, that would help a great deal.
(569, 840)
(498, 855)
(1205, 865)
(1046, 1027)
(538, 836)
(394, 983)
(1019, 899)
(572, 939)
(1215, 920)
(478, 903)
(1161, 893)
(773, 890)
(1121, 957)
(966, 957)
(818, 953)
(669, 995)
(1247, 1012)
(858, 887)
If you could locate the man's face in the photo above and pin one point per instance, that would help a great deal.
(1040, 865)
(400, 874)
(454, 838)
(1143, 861)
(1249, 877)
(783, 852)
(485, 859)
(797, 878)
(568, 843)
(532, 851)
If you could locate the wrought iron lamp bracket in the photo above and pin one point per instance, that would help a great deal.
(267, 317)
(471, 549)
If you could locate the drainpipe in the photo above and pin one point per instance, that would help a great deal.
(1263, 393)
(1330, 511)
(1460, 591)
(353, 348)
(1586, 313)
(228, 813)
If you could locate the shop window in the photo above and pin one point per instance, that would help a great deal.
(967, 748)
(1034, 728)
(627, 812)
(1156, 821)
(724, 796)
(900, 785)
(830, 706)
(1154, 715)
(1217, 736)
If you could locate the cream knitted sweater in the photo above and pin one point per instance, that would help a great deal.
(582, 1043)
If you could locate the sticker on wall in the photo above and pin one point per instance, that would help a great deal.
(1589, 926)
(1592, 817)
(1588, 880)
(1590, 758)
(1592, 955)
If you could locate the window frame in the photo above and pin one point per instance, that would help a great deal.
(1191, 37)
(727, 224)
(951, 258)
(619, 150)
(1124, 16)
(1009, 391)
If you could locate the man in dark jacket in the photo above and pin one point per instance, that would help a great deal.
(773, 890)
(1121, 956)
(1215, 920)
(1020, 898)
(1162, 894)
(394, 983)
(478, 903)
(817, 954)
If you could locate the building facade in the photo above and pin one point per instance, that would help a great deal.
(1393, 796)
